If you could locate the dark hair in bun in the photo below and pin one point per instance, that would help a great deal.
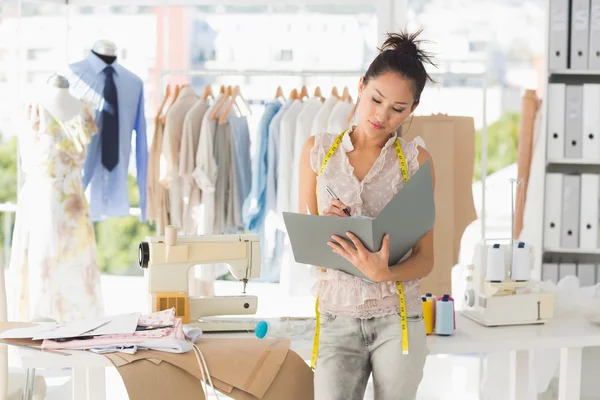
(401, 54)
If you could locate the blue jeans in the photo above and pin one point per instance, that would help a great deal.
(350, 349)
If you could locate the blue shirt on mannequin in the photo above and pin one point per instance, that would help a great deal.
(108, 194)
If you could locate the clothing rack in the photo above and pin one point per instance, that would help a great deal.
(339, 73)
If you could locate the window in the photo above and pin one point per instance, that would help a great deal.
(38, 54)
(284, 55)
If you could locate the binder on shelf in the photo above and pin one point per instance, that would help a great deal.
(591, 121)
(557, 93)
(580, 20)
(569, 237)
(553, 209)
(559, 34)
(588, 221)
(586, 274)
(566, 269)
(574, 121)
(597, 273)
(550, 272)
(594, 52)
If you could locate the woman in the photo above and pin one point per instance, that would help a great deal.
(360, 330)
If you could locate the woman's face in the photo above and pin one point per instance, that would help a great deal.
(385, 102)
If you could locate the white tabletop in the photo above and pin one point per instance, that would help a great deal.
(470, 337)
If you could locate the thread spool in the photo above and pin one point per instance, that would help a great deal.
(495, 266)
(170, 235)
(444, 322)
(428, 315)
(432, 298)
(520, 270)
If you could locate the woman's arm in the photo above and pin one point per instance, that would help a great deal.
(308, 181)
(420, 262)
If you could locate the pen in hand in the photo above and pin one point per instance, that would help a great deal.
(333, 196)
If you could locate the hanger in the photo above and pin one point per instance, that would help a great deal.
(334, 92)
(345, 94)
(235, 93)
(293, 94)
(207, 92)
(279, 93)
(226, 94)
(175, 95)
(318, 93)
(303, 93)
(163, 103)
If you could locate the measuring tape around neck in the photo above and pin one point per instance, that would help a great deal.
(403, 319)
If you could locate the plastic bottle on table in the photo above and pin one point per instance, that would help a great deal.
(299, 328)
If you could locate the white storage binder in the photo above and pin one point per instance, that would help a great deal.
(559, 34)
(586, 274)
(574, 121)
(594, 52)
(569, 237)
(566, 269)
(556, 120)
(588, 211)
(553, 209)
(550, 272)
(591, 121)
(597, 273)
(580, 20)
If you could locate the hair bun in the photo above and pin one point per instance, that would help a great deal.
(401, 42)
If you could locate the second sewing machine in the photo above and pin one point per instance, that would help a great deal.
(167, 261)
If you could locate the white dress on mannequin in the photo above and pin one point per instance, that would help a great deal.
(54, 255)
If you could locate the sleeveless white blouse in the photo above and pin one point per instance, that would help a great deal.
(340, 293)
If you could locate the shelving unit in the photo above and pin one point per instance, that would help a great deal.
(572, 145)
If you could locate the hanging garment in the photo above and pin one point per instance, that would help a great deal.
(156, 209)
(224, 182)
(171, 151)
(338, 118)
(109, 195)
(255, 204)
(273, 238)
(192, 126)
(285, 159)
(303, 131)
(322, 118)
(205, 173)
(240, 134)
(54, 255)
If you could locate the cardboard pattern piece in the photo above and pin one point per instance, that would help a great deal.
(451, 142)
(408, 216)
(240, 368)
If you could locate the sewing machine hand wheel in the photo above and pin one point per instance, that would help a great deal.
(143, 255)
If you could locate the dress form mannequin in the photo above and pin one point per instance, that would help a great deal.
(106, 50)
(57, 99)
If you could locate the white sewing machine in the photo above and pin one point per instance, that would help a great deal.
(498, 290)
(167, 261)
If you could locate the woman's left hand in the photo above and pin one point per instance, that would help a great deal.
(373, 264)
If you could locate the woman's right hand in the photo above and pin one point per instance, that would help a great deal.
(336, 208)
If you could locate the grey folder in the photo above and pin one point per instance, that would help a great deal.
(574, 122)
(580, 22)
(559, 34)
(569, 237)
(407, 218)
(586, 274)
(594, 51)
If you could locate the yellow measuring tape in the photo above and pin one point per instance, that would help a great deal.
(403, 324)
